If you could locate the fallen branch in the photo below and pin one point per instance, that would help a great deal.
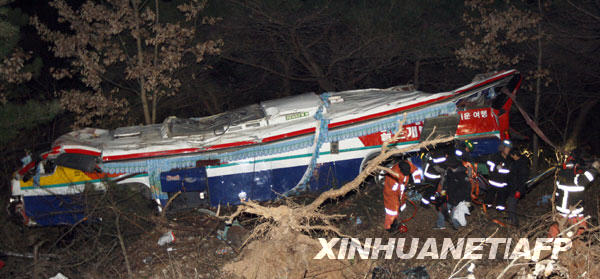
(36, 258)
(123, 249)
(164, 210)
(27, 255)
(285, 228)
(371, 167)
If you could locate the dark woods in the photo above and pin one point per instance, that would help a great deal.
(81, 62)
(68, 64)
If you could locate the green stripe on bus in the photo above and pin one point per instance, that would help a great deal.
(306, 155)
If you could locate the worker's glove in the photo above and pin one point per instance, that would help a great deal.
(517, 195)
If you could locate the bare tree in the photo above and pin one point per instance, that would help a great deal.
(497, 37)
(334, 46)
(119, 48)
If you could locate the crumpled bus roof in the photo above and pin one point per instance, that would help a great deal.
(262, 123)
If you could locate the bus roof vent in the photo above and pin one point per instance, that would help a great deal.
(127, 132)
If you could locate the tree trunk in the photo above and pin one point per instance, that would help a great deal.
(287, 83)
(416, 74)
(579, 123)
(140, 54)
(538, 93)
(155, 92)
(154, 104)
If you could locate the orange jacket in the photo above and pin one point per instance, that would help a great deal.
(394, 187)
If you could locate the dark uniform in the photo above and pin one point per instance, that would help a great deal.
(519, 173)
(499, 172)
(433, 172)
(571, 185)
(570, 194)
(463, 154)
(463, 151)
(457, 185)
(457, 188)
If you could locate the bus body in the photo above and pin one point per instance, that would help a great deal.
(261, 152)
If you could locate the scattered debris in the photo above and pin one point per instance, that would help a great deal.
(206, 211)
(242, 195)
(166, 238)
(459, 213)
(546, 268)
(418, 272)
(545, 199)
(356, 221)
(414, 195)
(224, 251)
(403, 228)
(470, 271)
(222, 234)
(28, 255)
(379, 272)
(59, 276)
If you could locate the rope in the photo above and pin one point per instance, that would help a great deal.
(319, 138)
(414, 211)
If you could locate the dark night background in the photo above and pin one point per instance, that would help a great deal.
(273, 49)
(359, 44)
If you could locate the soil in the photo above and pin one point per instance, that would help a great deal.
(367, 206)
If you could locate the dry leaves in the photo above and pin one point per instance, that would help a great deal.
(103, 53)
(493, 28)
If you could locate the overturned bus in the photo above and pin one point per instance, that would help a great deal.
(261, 152)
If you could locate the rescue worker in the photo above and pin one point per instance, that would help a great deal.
(463, 150)
(498, 166)
(457, 187)
(463, 154)
(394, 188)
(519, 173)
(434, 168)
(571, 184)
